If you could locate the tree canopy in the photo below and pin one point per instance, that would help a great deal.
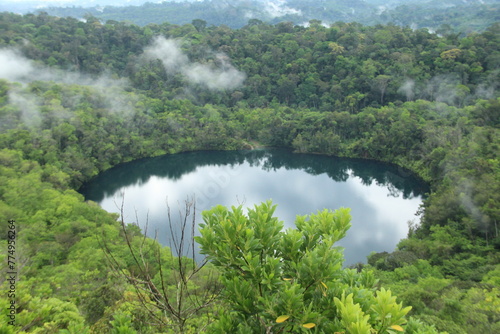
(79, 97)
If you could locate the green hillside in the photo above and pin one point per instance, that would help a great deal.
(458, 16)
(77, 98)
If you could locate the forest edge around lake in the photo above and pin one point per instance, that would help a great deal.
(425, 102)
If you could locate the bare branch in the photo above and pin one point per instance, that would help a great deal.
(166, 302)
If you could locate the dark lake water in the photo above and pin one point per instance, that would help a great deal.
(382, 197)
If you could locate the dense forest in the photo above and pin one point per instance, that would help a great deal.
(77, 98)
(457, 15)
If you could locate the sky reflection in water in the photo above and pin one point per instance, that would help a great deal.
(382, 198)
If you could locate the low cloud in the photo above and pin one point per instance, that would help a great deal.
(489, 88)
(216, 74)
(169, 52)
(307, 24)
(408, 89)
(28, 104)
(278, 8)
(15, 67)
(443, 88)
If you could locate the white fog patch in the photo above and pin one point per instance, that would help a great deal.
(487, 92)
(15, 67)
(169, 52)
(466, 190)
(249, 14)
(217, 74)
(28, 104)
(408, 89)
(489, 88)
(443, 88)
(278, 8)
(307, 24)
(380, 10)
(223, 77)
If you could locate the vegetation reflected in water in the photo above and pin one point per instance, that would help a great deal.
(382, 198)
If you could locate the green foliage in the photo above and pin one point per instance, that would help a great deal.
(426, 102)
(346, 66)
(48, 316)
(291, 280)
(121, 324)
(436, 15)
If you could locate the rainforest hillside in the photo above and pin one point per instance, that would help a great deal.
(455, 15)
(77, 98)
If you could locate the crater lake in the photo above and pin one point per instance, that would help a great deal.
(383, 198)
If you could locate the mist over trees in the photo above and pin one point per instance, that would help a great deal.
(78, 97)
(454, 15)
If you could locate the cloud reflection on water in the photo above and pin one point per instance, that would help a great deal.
(379, 216)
